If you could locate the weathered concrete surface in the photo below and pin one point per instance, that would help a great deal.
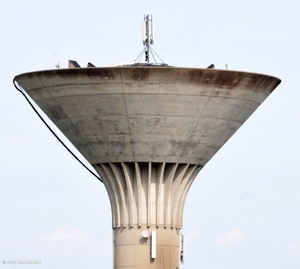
(147, 131)
(131, 250)
(147, 114)
(151, 194)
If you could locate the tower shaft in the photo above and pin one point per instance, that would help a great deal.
(147, 196)
(132, 251)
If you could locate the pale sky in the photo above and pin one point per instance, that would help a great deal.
(243, 210)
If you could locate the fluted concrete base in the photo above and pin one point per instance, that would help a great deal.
(151, 194)
(147, 197)
(132, 251)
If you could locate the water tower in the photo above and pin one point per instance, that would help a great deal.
(147, 129)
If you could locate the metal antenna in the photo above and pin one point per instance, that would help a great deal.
(148, 40)
(147, 37)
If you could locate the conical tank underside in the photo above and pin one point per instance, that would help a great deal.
(147, 114)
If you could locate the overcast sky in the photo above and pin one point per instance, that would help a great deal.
(243, 210)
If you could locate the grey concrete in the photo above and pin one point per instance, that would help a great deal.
(147, 131)
(147, 114)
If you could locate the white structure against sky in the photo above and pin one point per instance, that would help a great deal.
(147, 130)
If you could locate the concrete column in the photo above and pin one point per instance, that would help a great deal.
(133, 251)
(147, 197)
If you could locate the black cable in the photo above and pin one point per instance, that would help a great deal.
(66, 147)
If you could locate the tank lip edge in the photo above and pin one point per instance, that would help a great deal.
(70, 70)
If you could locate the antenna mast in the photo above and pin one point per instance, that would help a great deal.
(148, 27)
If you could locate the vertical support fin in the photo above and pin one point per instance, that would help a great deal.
(177, 190)
(111, 187)
(188, 179)
(128, 174)
(119, 177)
(139, 193)
(149, 195)
(169, 174)
(160, 194)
